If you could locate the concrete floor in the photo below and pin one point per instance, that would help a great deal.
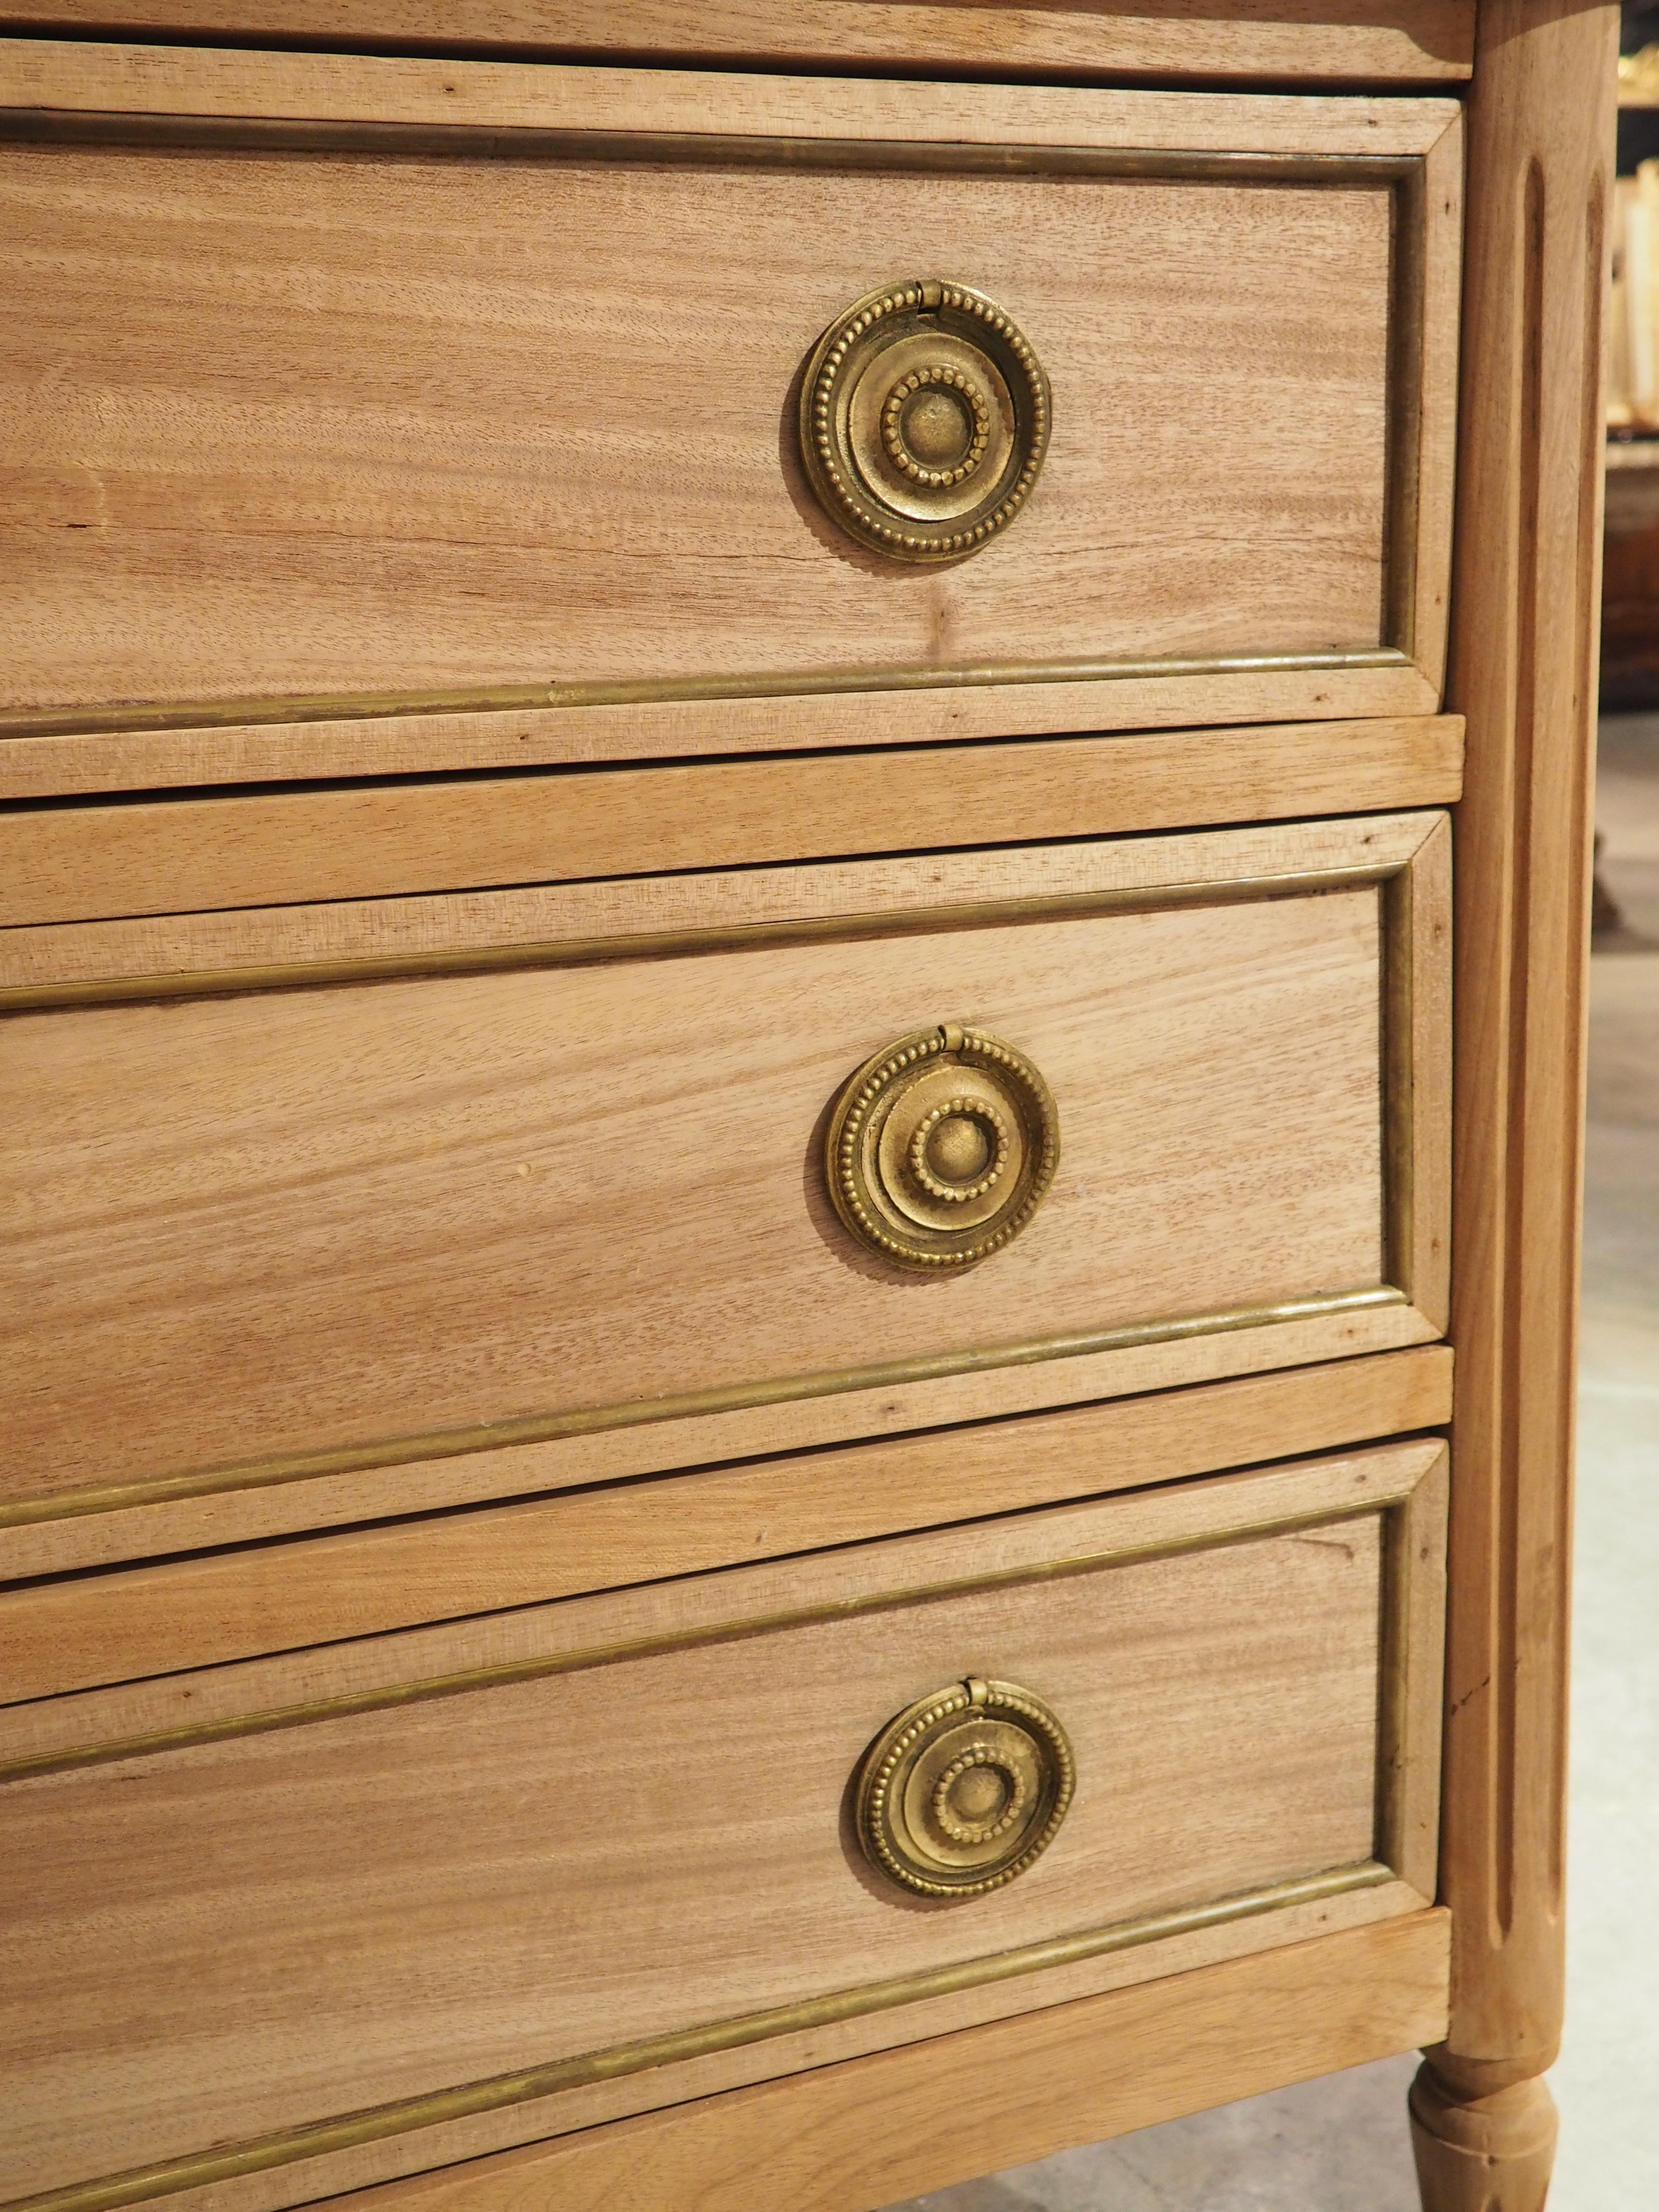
(1340, 2145)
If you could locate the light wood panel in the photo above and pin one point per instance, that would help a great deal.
(1404, 755)
(479, 468)
(1527, 577)
(92, 76)
(167, 858)
(378, 1222)
(60, 1635)
(841, 2139)
(367, 1670)
(1410, 41)
(567, 2110)
(467, 1842)
(1417, 1026)
(54, 1535)
(251, 947)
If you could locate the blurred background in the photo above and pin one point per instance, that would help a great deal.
(1342, 2144)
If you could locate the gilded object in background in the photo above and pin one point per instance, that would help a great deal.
(924, 418)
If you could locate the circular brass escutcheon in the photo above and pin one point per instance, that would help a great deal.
(941, 1147)
(962, 1790)
(923, 419)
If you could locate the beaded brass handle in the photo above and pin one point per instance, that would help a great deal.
(923, 419)
(962, 1789)
(941, 1148)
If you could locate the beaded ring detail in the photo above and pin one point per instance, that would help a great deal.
(858, 403)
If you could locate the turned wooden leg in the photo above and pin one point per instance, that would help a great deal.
(1540, 122)
(1484, 2154)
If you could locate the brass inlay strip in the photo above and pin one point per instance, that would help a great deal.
(546, 1428)
(684, 942)
(499, 2091)
(695, 149)
(347, 1705)
(371, 706)
(1404, 449)
(1399, 1135)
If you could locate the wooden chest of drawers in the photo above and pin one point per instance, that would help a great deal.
(735, 1236)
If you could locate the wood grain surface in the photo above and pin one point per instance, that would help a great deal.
(1408, 41)
(91, 76)
(416, 1890)
(303, 2181)
(46, 1731)
(70, 1632)
(179, 952)
(842, 2139)
(312, 1219)
(167, 858)
(480, 453)
(1316, 1351)
(1527, 577)
(1393, 750)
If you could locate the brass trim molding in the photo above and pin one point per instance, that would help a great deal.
(693, 148)
(546, 1428)
(151, 715)
(1392, 877)
(674, 943)
(1402, 175)
(349, 2130)
(382, 1696)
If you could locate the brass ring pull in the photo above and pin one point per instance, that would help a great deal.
(941, 1148)
(923, 419)
(962, 1789)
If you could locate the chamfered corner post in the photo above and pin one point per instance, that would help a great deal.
(1523, 672)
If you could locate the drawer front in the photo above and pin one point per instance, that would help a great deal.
(294, 429)
(463, 1872)
(258, 1233)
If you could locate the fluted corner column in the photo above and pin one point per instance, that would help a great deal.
(1524, 671)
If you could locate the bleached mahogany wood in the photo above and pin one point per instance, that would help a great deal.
(1524, 672)
(58, 1636)
(1415, 1664)
(1420, 1022)
(843, 2138)
(377, 842)
(1383, 1476)
(246, 942)
(478, 471)
(1406, 756)
(404, 1182)
(85, 76)
(1434, 401)
(567, 2111)
(1487, 2154)
(311, 1220)
(1410, 41)
(498, 1854)
(188, 1519)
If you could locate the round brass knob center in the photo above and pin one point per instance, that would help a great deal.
(962, 1790)
(959, 1148)
(936, 426)
(979, 1796)
(923, 419)
(941, 1148)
